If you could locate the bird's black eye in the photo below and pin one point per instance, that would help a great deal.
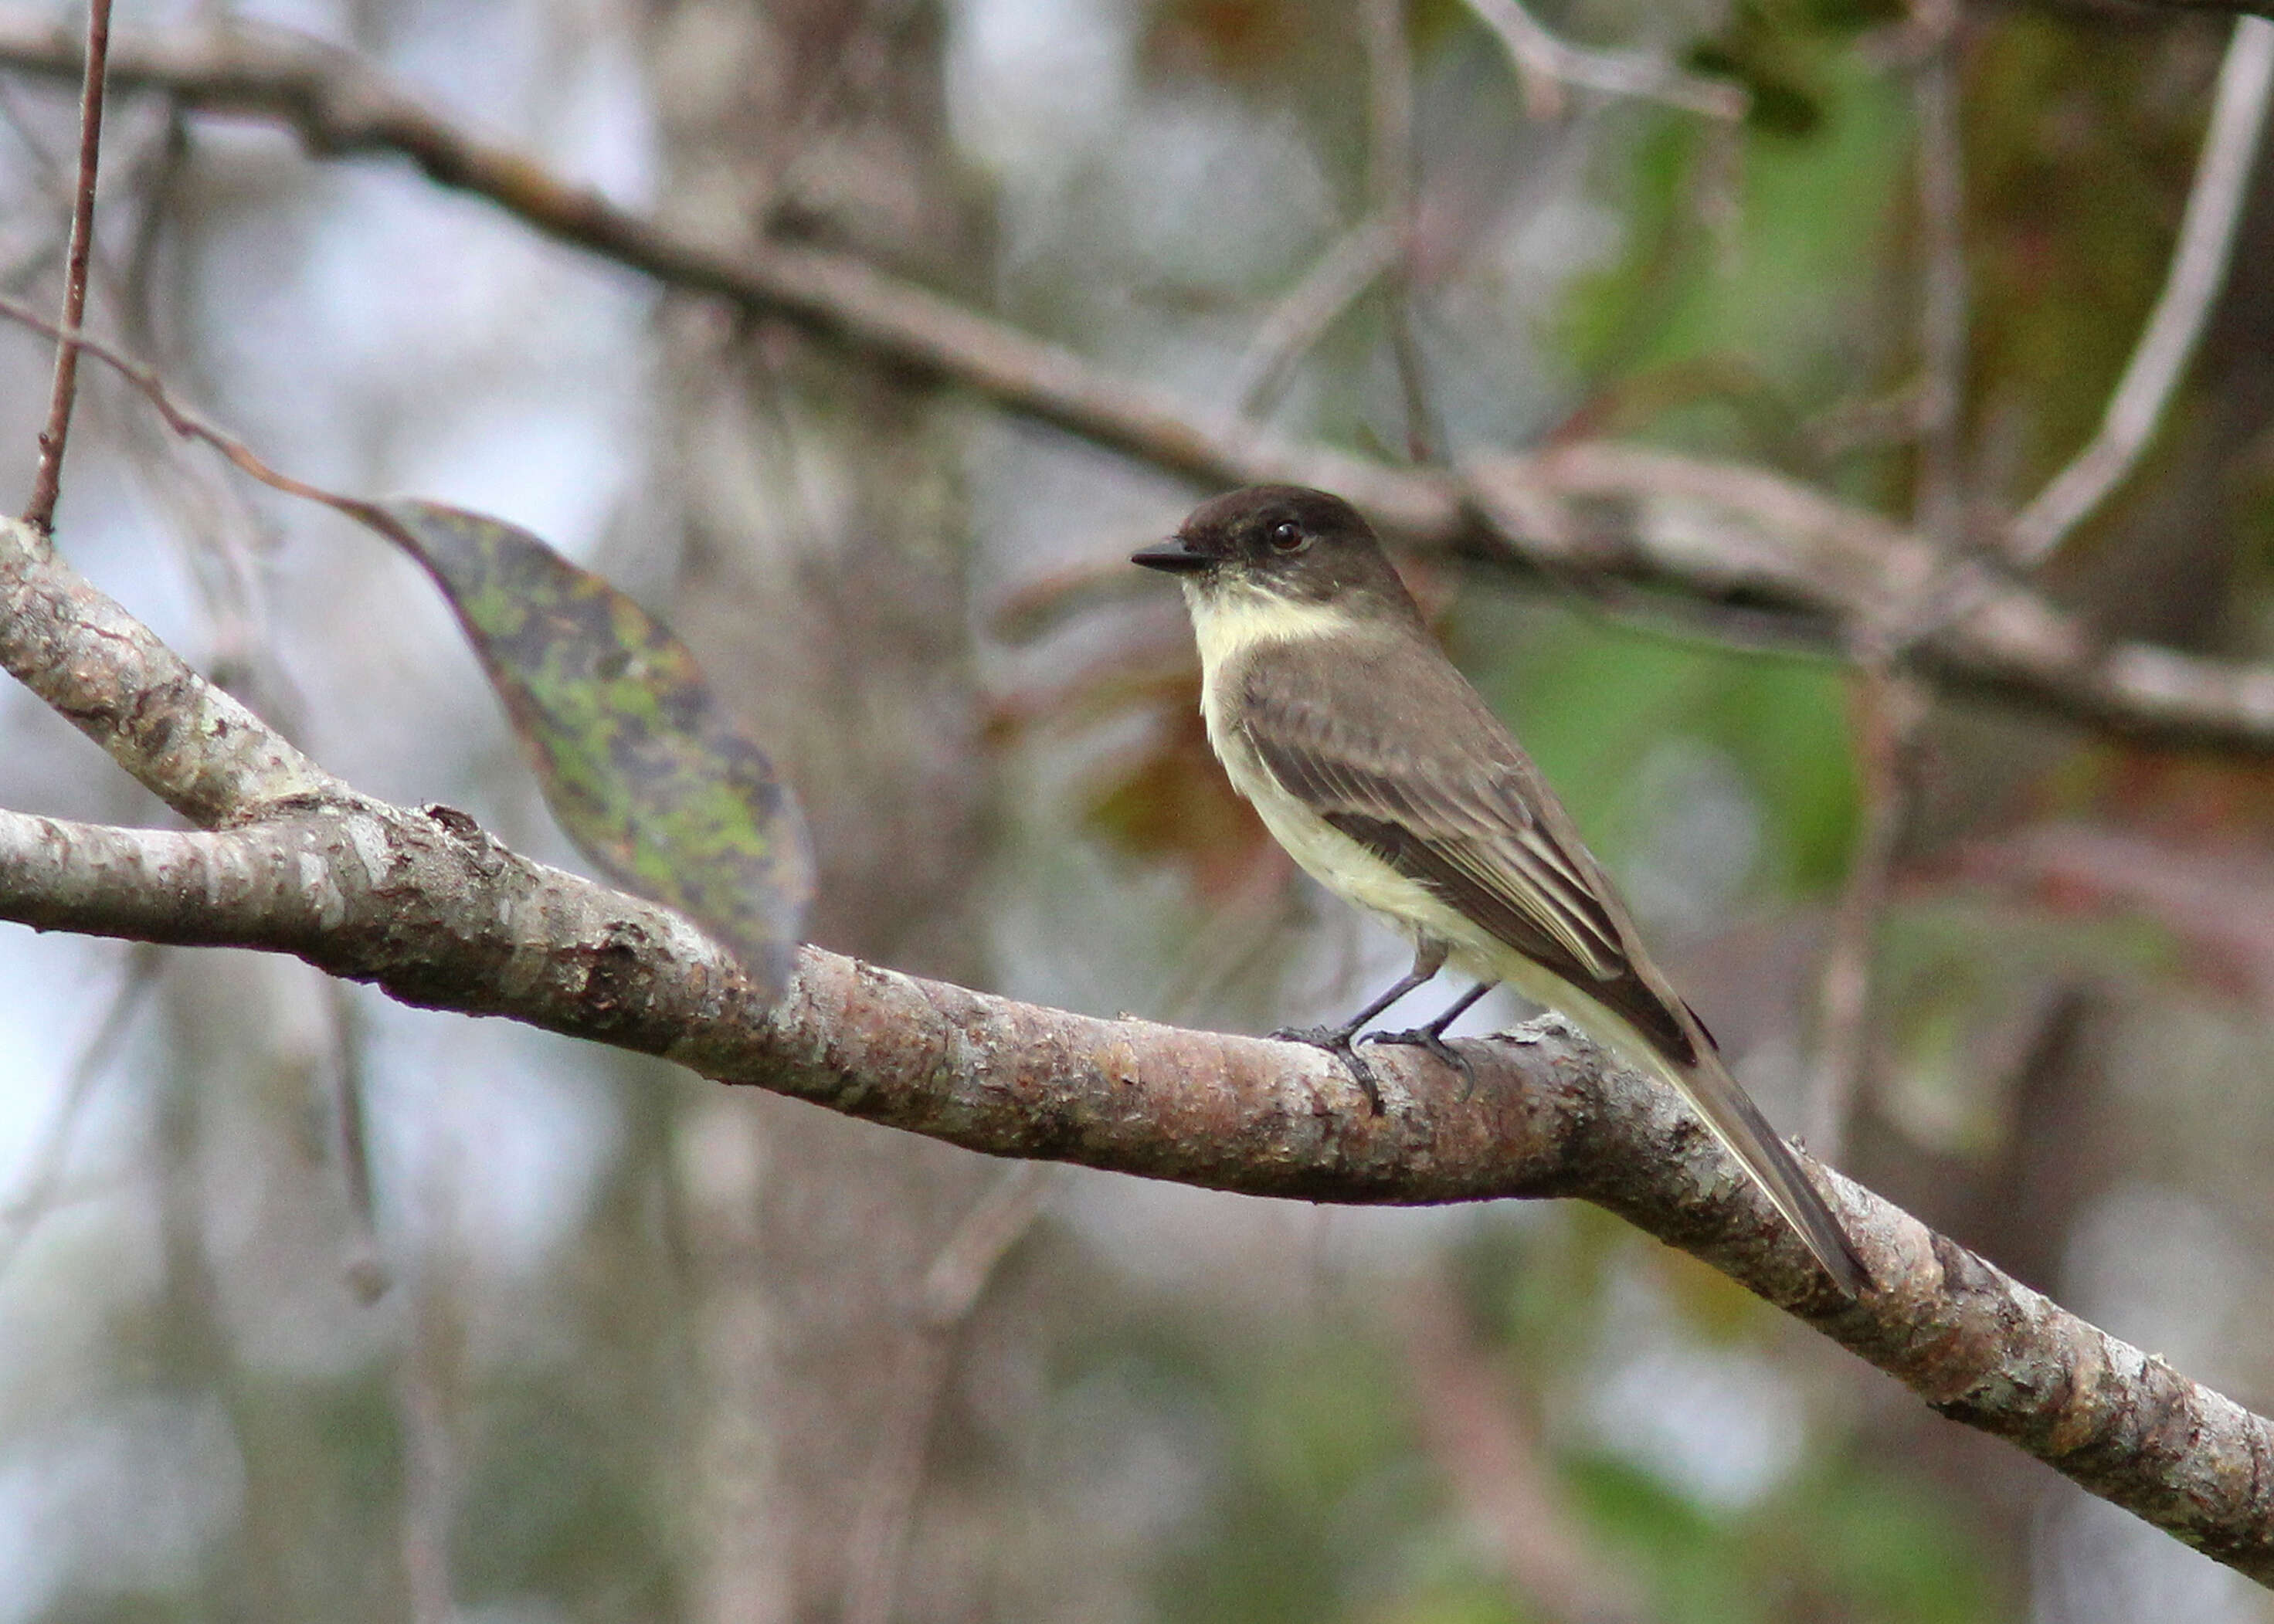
(1289, 537)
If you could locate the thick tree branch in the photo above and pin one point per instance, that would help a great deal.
(432, 911)
(1706, 531)
(426, 907)
(189, 743)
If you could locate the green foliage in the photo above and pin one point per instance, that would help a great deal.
(1782, 51)
(1779, 304)
(2075, 168)
(547, 1508)
(1318, 1492)
(1590, 699)
(1851, 1541)
(1322, 1503)
(1959, 973)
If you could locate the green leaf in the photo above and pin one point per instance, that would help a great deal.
(648, 774)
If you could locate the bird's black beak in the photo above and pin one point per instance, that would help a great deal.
(1175, 555)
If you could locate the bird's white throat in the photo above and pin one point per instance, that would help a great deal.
(1228, 619)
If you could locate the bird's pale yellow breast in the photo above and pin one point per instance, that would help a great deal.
(1232, 627)
(1229, 623)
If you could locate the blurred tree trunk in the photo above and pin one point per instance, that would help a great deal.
(823, 578)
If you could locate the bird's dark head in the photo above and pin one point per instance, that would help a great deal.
(1283, 541)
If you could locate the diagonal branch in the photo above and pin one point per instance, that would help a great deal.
(1712, 532)
(2198, 271)
(441, 917)
(1297, 322)
(190, 744)
(425, 905)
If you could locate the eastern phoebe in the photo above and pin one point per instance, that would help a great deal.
(1384, 774)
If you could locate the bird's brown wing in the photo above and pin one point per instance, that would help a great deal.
(1405, 758)
(1417, 770)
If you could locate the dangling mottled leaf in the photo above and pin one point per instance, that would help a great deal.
(646, 771)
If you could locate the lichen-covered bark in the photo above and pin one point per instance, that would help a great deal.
(191, 745)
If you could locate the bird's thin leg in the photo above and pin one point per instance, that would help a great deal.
(1427, 960)
(1431, 1038)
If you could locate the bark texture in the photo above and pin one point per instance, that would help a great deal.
(441, 916)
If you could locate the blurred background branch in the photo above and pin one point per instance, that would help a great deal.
(1806, 550)
(2167, 343)
(1546, 65)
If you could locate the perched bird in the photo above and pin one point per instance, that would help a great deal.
(1385, 775)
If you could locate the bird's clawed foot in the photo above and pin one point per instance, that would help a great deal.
(1336, 1041)
(1430, 1040)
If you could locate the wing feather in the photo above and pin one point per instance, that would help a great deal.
(1411, 765)
(1470, 818)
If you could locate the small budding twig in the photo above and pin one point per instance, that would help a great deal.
(47, 482)
(179, 419)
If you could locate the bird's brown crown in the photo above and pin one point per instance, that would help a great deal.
(1287, 540)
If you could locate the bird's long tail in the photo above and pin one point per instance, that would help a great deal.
(1738, 1123)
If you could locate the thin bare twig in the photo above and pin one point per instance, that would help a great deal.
(169, 162)
(1380, 245)
(429, 1387)
(1938, 506)
(2168, 343)
(1391, 176)
(180, 418)
(1299, 321)
(952, 1289)
(366, 1269)
(47, 482)
(219, 533)
(1543, 60)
